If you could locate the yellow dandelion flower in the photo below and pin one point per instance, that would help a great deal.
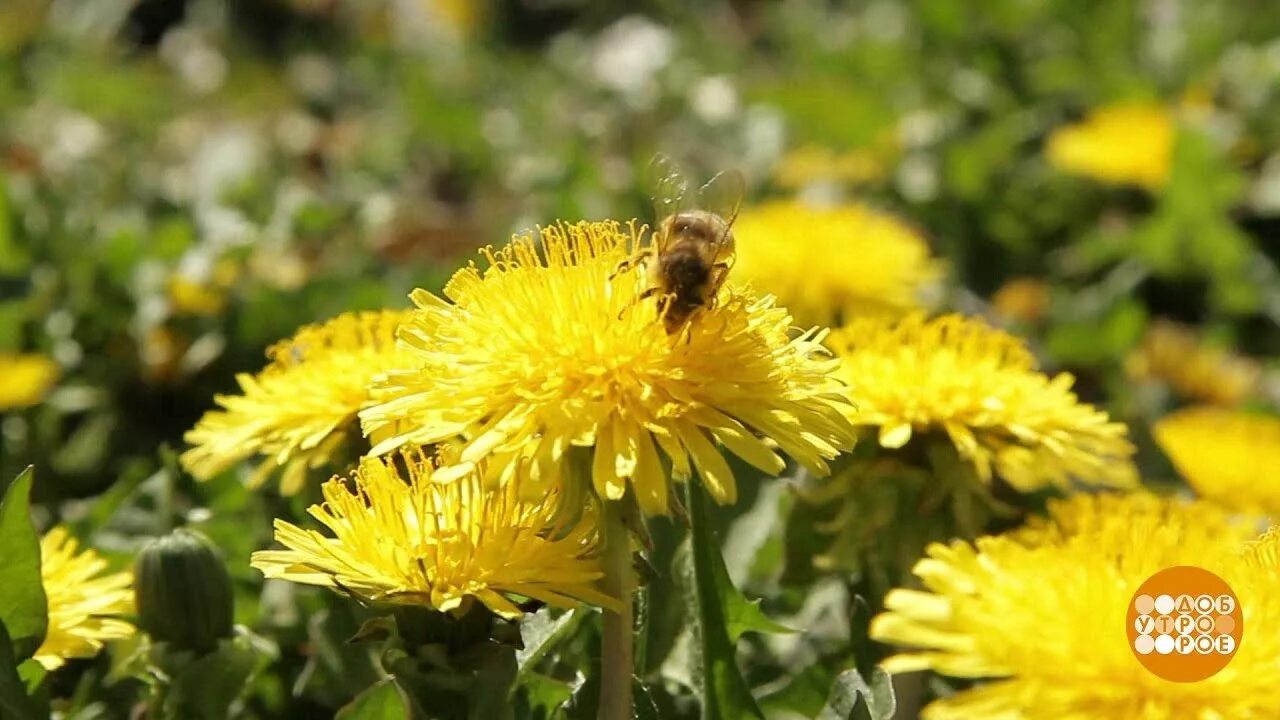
(188, 297)
(298, 411)
(27, 379)
(1264, 554)
(1041, 614)
(1176, 355)
(1228, 456)
(462, 17)
(1023, 299)
(81, 599)
(981, 387)
(550, 347)
(408, 539)
(827, 262)
(1124, 144)
(810, 164)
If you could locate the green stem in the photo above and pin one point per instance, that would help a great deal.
(725, 694)
(617, 638)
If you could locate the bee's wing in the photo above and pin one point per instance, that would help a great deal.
(723, 195)
(669, 189)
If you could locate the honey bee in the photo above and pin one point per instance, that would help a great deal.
(692, 250)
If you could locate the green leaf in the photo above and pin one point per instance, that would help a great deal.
(718, 616)
(13, 693)
(22, 603)
(542, 697)
(805, 695)
(207, 688)
(336, 670)
(32, 674)
(383, 701)
(850, 687)
(489, 697)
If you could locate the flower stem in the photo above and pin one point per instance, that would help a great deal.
(616, 640)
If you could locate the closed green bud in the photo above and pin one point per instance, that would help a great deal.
(183, 591)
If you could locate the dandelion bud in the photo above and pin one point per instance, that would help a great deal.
(183, 591)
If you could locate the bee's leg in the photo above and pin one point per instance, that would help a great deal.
(648, 293)
(627, 264)
(719, 271)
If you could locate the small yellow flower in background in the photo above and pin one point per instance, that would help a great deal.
(188, 297)
(1041, 612)
(1176, 355)
(826, 262)
(549, 348)
(81, 601)
(1227, 456)
(299, 410)
(805, 165)
(1124, 144)
(411, 540)
(1023, 299)
(462, 17)
(981, 387)
(27, 379)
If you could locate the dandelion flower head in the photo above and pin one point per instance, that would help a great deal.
(1068, 580)
(1228, 456)
(550, 347)
(1123, 144)
(395, 535)
(1176, 355)
(83, 602)
(982, 388)
(829, 262)
(299, 411)
(1022, 299)
(27, 379)
(805, 165)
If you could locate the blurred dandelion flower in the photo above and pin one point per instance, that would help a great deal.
(462, 17)
(189, 297)
(1264, 554)
(827, 262)
(805, 165)
(1175, 354)
(404, 538)
(1041, 612)
(1228, 456)
(1022, 299)
(81, 600)
(298, 411)
(27, 379)
(1125, 144)
(981, 387)
(549, 347)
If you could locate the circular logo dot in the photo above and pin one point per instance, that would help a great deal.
(1184, 624)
